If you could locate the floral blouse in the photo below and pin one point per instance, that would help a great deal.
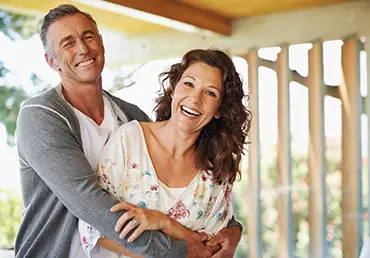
(126, 171)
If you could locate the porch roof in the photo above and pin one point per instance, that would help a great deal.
(160, 29)
(138, 17)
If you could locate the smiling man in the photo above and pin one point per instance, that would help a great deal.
(60, 134)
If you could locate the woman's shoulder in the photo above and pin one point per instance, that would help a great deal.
(127, 132)
(132, 127)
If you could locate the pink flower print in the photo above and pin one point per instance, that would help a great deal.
(180, 211)
(154, 188)
(227, 193)
(84, 239)
(114, 163)
(108, 185)
(134, 165)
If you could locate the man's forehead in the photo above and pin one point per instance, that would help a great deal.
(71, 23)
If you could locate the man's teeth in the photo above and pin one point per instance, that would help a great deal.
(190, 111)
(86, 63)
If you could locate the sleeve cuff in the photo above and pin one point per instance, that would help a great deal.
(89, 237)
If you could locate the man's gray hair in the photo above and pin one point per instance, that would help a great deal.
(56, 14)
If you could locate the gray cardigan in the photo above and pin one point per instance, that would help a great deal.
(59, 185)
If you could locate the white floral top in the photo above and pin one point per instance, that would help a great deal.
(127, 172)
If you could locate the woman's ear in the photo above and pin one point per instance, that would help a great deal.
(217, 115)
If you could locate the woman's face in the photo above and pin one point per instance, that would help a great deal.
(197, 97)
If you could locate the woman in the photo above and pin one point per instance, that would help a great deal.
(176, 174)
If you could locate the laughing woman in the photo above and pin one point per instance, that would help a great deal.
(176, 174)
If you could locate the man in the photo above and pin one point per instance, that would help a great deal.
(60, 135)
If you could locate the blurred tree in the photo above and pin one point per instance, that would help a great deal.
(14, 26)
(11, 98)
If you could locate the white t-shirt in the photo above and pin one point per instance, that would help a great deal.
(172, 194)
(93, 138)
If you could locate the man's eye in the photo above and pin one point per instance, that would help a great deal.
(89, 37)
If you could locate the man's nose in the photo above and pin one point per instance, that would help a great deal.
(82, 47)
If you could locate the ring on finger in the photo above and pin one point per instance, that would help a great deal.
(135, 222)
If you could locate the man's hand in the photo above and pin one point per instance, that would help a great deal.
(196, 248)
(228, 238)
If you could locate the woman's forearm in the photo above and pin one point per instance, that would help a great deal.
(175, 230)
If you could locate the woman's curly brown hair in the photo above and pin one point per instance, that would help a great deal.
(220, 144)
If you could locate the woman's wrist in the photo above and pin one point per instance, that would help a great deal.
(168, 224)
(175, 230)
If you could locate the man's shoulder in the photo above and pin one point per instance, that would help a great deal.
(48, 98)
(49, 103)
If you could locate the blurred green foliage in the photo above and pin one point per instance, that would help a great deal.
(10, 217)
(14, 26)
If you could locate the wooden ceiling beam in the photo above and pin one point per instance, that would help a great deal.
(180, 12)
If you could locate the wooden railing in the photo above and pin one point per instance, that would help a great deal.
(352, 108)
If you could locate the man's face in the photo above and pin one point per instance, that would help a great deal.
(77, 50)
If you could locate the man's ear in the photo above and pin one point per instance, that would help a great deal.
(51, 62)
(102, 43)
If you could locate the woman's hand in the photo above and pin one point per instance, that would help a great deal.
(142, 219)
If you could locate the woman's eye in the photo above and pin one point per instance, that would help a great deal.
(211, 93)
(68, 44)
(188, 84)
